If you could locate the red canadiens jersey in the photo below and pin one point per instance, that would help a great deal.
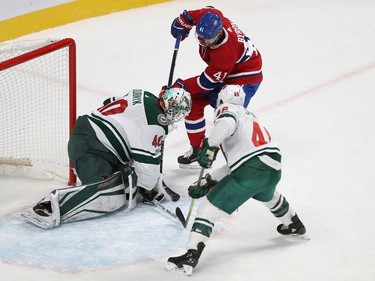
(235, 60)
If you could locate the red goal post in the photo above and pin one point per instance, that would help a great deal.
(37, 108)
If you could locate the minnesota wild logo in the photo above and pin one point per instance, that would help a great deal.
(162, 119)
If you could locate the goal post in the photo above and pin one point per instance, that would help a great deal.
(37, 108)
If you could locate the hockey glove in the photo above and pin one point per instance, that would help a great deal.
(206, 184)
(182, 25)
(179, 83)
(207, 154)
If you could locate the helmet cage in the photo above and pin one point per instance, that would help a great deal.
(176, 103)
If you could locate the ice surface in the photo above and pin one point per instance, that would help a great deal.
(317, 99)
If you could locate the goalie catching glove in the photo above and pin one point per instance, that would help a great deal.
(206, 184)
(207, 154)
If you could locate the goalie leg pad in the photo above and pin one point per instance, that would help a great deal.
(131, 191)
(82, 202)
(92, 200)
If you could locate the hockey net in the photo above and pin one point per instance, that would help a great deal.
(37, 108)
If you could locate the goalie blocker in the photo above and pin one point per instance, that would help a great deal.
(86, 201)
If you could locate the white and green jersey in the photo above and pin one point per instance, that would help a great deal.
(133, 128)
(241, 137)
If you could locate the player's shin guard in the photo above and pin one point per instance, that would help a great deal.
(204, 222)
(280, 208)
(195, 130)
(201, 231)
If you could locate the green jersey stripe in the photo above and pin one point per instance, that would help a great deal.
(146, 159)
(227, 114)
(113, 136)
(246, 157)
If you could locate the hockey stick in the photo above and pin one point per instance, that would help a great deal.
(179, 213)
(165, 209)
(174, 196)
(173, 64)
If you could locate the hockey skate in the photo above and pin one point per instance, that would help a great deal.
(296, 228)
(148, 196)
(41, 214)
(189, 159)
(185, 263)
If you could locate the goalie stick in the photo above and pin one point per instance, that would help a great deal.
(174, 196)
(169, 212)
(179, 213)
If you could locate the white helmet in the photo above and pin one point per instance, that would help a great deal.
(176, 103)
(233, 94)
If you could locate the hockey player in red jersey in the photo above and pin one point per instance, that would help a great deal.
(231, 58)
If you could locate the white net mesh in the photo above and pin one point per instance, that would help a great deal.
(34, 107)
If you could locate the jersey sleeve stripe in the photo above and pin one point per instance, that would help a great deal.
(245, 74)
(246, 157)
(147, 159)
(116, 140)
(227, 114)
(144, 156)
(206, 83)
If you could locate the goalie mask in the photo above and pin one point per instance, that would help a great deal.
(233, 94)
(176, 103)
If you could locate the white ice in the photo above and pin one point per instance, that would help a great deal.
(316, 98)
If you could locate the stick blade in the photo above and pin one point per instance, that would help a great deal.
(180, 216)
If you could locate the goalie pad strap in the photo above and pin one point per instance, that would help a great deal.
(131, 191)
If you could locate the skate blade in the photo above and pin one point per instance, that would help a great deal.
(36, 219)
(296, 237)
(193, 165)
(185, 269)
